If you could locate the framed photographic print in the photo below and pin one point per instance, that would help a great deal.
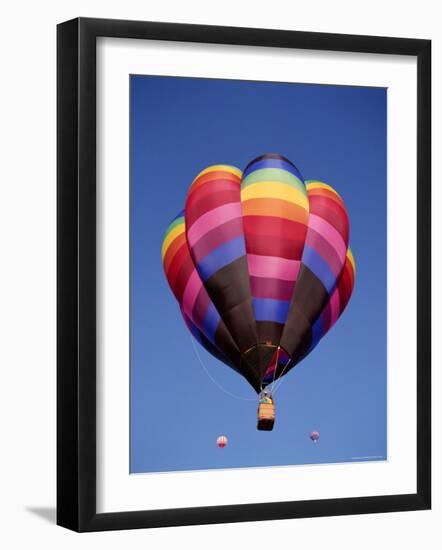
(243, 274)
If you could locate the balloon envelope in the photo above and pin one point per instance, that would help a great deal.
(222, 441)
(260, 265)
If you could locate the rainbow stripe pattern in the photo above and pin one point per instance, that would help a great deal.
(275, 211)
(260, 265)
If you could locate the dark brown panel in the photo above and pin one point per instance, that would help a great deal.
(269, 331)
(224, 342)
(229, 290)
(259, 358)
(297, 332)
(310, 295)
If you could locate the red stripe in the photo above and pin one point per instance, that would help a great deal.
(203, 197)
(269, 246)
(183, 277)
(212, 177)
(273, 226)
(216, 237)
(345, 289)
(332, 212)
(348, 267)
(222, 184)
(196, 208)
(174, 246)
(318, 192)
(176, 264)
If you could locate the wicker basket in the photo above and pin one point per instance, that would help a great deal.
(266, 416)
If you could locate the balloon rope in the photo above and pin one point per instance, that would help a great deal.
(215, 381)
(276, 368)
(280, 377)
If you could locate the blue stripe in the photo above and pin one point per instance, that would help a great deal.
(210, 322)
(205, 342)
(273, 163)
(207, 345)
(316, 331)
(267, 309)
(221, 256)
(316, 263)
(196, 333)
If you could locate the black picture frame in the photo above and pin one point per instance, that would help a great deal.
(76, 274)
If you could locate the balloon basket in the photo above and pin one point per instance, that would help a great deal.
(266, 416)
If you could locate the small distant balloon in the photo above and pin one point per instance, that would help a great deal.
(314, 436)
(221, 441)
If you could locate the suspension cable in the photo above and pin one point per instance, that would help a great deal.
(213, 379)
(280, 377)
(276, 368)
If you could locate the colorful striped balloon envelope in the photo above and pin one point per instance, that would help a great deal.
(260, 264)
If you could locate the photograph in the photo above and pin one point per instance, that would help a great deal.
(258, 274)
(220, 263)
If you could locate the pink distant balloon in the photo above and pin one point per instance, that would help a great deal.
(222, 441)
(314, 436)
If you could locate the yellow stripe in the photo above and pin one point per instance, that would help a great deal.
(176, 232)
(274, 191)
(351, 259)
(220, 167)
(296, 185)
(321, 185)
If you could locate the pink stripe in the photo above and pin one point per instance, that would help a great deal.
(329, 233)
(334, 307)
(218, 236)
(212, 219)
(200, 308)
(322, 246)
(273, 267)
(191, 291)
(263, 287)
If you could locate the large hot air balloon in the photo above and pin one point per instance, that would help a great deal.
(260, 265)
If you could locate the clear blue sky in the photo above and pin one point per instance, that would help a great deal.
(178, 126)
